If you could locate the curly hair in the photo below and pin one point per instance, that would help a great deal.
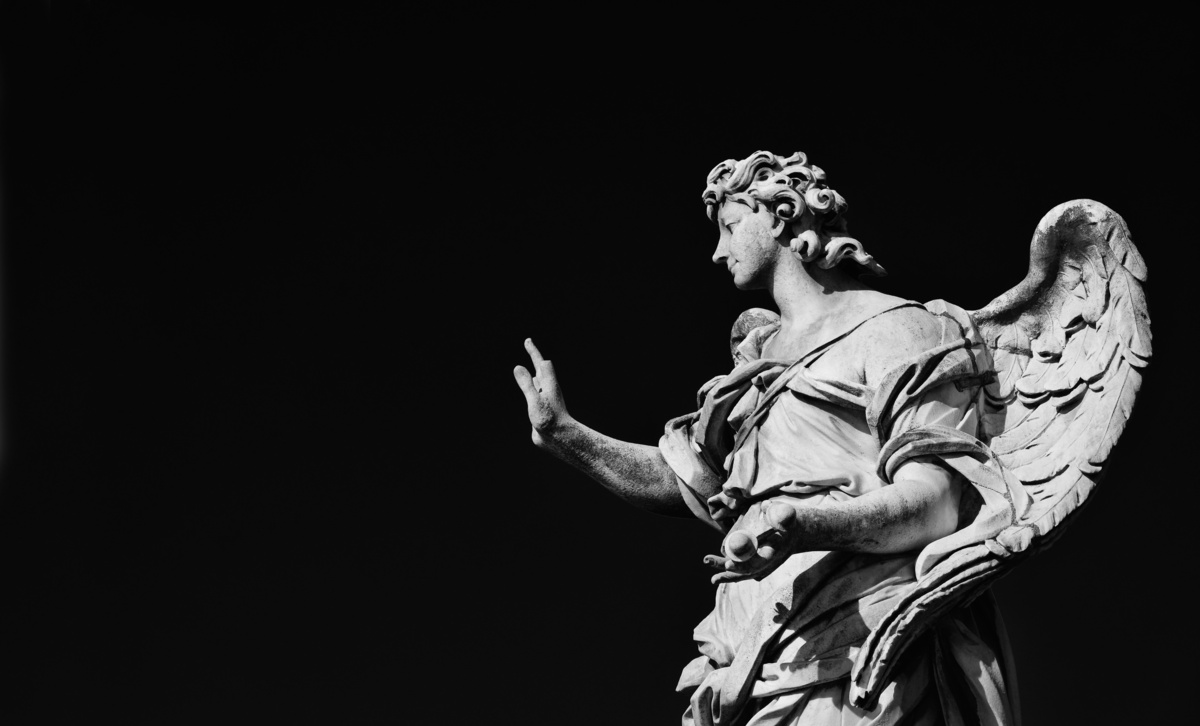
(795, 192)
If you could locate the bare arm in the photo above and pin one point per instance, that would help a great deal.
(634, 472)
(919, 508)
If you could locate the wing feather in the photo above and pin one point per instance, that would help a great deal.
(1031, 423)
(1068, 346)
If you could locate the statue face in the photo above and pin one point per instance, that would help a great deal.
(747, 245)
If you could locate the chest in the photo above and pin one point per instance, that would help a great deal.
(845, 360)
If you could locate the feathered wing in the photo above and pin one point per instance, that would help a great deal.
(1068, 345)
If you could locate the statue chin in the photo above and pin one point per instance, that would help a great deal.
(745, 283)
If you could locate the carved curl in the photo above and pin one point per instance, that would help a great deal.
(795, 192)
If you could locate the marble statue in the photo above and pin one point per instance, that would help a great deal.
(873, 464)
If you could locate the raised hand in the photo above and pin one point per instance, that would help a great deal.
(544, 399)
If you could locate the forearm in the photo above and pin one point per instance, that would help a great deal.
(919, 508)
(634, 472)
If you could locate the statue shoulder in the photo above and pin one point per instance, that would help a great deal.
(894, 338)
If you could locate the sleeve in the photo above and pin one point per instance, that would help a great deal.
(929, 407)
(696, 479)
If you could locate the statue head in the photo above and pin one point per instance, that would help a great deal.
(795, 193)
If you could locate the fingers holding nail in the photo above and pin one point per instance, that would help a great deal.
(741, 546)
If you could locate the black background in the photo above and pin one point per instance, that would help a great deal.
(269, 272)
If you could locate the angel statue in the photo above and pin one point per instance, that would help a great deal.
(874, 464)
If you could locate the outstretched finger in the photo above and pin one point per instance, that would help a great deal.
(729, 576)
(534, 353)
(546, 378)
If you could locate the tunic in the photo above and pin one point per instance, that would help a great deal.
(780, 650)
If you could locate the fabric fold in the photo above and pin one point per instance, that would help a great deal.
(773, 428)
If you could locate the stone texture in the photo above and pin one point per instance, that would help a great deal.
(874, 464)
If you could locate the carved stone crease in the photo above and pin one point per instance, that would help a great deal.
(874, 464)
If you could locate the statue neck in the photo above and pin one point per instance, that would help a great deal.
(811, 300)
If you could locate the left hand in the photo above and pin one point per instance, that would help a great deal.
(764, 537)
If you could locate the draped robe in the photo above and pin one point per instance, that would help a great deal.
(780, 650)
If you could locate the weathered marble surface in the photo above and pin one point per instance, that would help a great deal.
(874, 464)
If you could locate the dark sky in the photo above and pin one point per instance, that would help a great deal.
(270, 270)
